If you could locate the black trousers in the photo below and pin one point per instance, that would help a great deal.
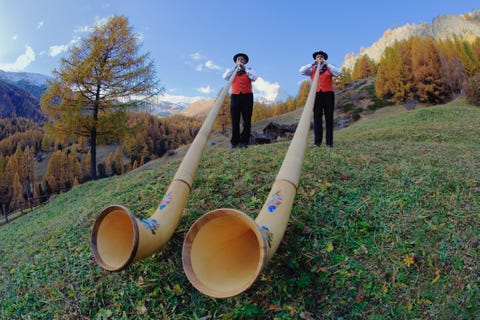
(241, 107)
(324, 106)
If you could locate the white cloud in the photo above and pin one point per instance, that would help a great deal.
(56, 50)
(205, 63)
(40, 24)
(205, 90)
(59, 49)
(15, 37)
(210, 65)
(82, 29)
(269, 91)
(140, 36)
(177, 99)
(21, 62)
(197, 56)
(99, 22)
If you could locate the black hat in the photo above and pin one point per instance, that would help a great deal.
(320, 52)
(238, 55)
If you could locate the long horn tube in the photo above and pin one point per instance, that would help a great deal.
(225, 250)
(119, 238)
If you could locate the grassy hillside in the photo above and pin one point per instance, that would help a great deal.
(384, 226)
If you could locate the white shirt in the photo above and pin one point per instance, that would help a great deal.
(306, 70)
(249, 71)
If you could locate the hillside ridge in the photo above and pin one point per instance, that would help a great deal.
(383, 225)
(441, 27)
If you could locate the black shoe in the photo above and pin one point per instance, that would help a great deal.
(234, 146)
(329, 146)
(317, 144)
(244, 145)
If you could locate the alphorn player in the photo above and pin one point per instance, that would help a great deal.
(325, 97)
(241, 100)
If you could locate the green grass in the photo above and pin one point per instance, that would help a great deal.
(398, 188)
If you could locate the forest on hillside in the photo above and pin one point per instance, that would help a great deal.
(25, 145)
(424, 70)
(421, 70)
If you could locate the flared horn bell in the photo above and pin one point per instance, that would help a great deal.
(225, 250)
(119, 238)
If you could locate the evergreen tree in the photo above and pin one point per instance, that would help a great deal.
(451, 68)
(223, 122)
(75, 165)
(364, 67)
(101, 79)
(302, 94)
(11, 169)
(470, 59)
(85, 165)
(393, 76)
(472, 90)
(427, 78)
(259, 112)
(62, 169)
(3, 164)
(31, 180)
(344, 78)
(290, 105)
(118, 161)
(17, 192)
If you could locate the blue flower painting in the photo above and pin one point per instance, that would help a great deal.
(267, 235)
(274, 202)
(166, 200)
(151, 224)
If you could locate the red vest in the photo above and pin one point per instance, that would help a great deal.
(241, 84)
(324, 80)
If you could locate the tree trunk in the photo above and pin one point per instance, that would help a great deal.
(5, 212)
(93, 153)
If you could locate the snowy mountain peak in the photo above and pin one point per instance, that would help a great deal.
(32, 78)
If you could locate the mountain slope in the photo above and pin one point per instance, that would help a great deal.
(18, 102)
(199, 109)
(34, 83)
(385, 225)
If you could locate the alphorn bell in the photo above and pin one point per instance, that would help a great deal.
(119, 238)
(225, 250)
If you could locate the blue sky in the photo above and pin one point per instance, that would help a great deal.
(193, 42)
